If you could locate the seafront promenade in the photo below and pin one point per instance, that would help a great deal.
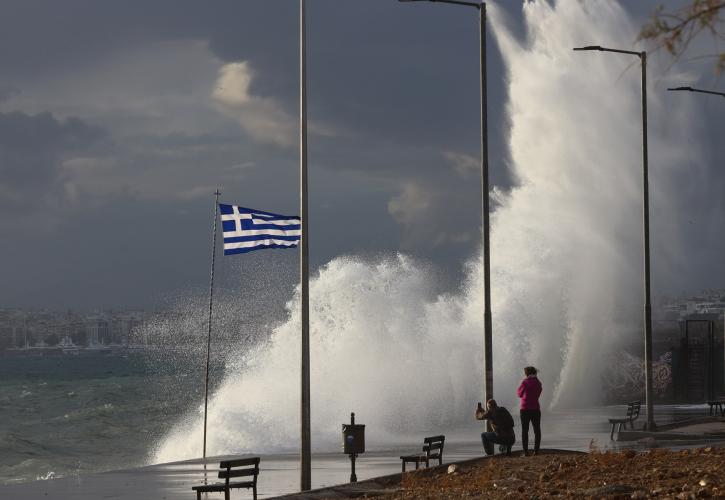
(280, 474)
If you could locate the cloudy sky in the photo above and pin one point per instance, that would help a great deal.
(119, 119)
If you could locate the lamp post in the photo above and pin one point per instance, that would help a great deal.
(701, 91)
(711, 92)
(487, 323)
(650, 425)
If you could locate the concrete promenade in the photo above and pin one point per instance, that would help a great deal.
(280, 475)
(697, 429)
(174, 480)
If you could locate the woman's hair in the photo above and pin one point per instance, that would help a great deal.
(530, 370)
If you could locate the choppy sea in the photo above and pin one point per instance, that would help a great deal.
(67, 415)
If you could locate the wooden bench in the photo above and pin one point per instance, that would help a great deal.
(632, 415)
(432, 450)
(717, 405)
(240, 467)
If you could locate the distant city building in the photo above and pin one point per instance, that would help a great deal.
(20, 329)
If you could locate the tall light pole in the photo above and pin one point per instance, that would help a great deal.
(305, 431)
(487, 323)
(650, 425)
(700, 91)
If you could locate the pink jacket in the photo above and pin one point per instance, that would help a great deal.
(529, 392)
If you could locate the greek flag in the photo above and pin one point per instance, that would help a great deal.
(246, 229)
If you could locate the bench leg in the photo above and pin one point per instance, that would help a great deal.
(611, 434)
(198, 495)
(254, 491)
(403, 465)
(226, 494)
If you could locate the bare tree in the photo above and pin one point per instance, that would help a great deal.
(674, 30)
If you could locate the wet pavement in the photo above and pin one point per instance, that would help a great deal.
(578, 430)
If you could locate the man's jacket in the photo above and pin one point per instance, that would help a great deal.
(501, 421)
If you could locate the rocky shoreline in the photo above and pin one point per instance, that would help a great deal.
(659, 473)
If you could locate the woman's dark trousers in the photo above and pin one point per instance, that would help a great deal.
(533, 416)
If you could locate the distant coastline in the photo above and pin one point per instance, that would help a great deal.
(58, 350)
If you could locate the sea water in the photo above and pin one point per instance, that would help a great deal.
(65, 415)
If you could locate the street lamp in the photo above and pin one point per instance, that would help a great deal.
(487, 323)
(650, 425)
(701, 91)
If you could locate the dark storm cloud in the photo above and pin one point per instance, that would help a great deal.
(43, 35)
(393, 94)
(391, 72)
(32, 150)
(7, 92)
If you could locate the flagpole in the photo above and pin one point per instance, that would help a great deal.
(211, 299)
(305, 453)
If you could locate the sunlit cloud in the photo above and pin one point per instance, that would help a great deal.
(263, 118)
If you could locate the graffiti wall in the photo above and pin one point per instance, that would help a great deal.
(624, 380)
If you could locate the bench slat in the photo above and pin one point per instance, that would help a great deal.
(222, 486)
(618, 420)
(238, 462)
(223, 474)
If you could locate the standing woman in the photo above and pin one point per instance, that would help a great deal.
(529, 392)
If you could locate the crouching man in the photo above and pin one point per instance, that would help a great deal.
(502, 424)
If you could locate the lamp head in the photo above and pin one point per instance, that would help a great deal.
(589, 47)
(681, 88)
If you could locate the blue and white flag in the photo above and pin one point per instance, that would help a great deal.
(246, 229)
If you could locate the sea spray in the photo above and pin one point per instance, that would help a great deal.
(567, 240)
(566, 268)
(379, 347)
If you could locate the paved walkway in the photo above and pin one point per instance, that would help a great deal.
(700, 429)
(280, 473)
(385, 484)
